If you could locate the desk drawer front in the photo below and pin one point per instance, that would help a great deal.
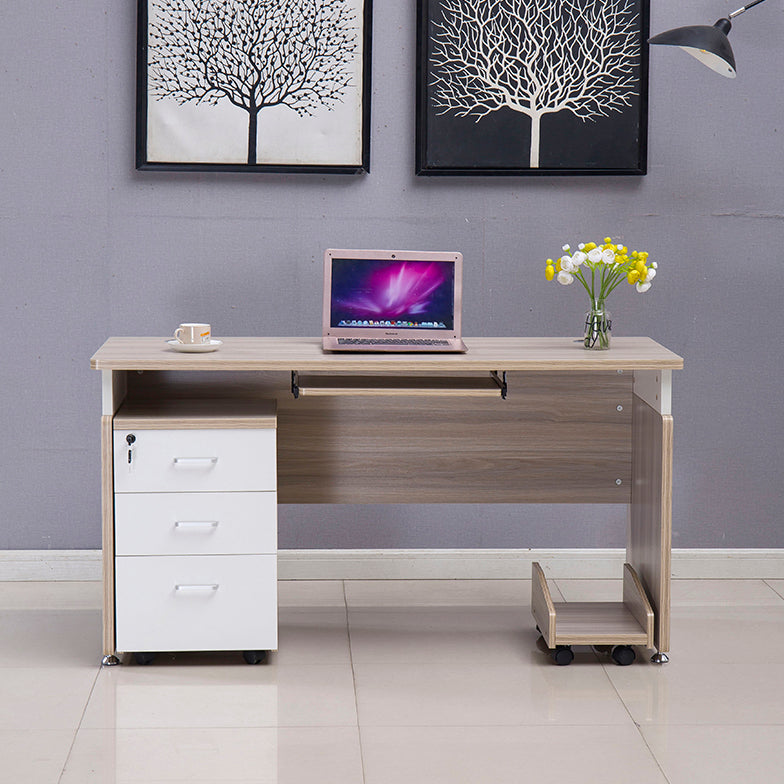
(195, 523)
(194, 460)
(196, 603)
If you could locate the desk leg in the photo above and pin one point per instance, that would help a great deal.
(649, 545)
(107, 514)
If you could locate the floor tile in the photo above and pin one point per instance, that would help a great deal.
(589, 590)
(718, 755)
(192, 693)
(727, 634)
(723, 593)
(40, 698)
(328, 755)
(507, 755)
(310, 593)
(312, 636)
(470, 693)
(50, 595)
(418, 593)
(685, 593)
(50, 638)
(448, 633)
(697, 690)
(33, 757)
(777, 586)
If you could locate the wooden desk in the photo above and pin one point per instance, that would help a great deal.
(574, 426)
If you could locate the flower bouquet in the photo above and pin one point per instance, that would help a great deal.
(600, 269)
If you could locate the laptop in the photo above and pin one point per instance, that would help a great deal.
(392, 300)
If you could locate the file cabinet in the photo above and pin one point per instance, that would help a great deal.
(195, 528)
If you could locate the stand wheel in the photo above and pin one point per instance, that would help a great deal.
(144, 657)
(254, 657)
(623, 655)
(563, 655)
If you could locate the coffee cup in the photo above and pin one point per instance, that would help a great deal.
(191, 334)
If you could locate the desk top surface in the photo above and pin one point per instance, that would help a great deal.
(306, 354)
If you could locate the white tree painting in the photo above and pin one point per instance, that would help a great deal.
(536, 57)
(253, 55)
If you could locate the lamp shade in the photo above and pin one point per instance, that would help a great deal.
(709, 44)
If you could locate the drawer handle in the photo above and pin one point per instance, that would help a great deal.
(197, 588)
(195, 461)
(191, 524)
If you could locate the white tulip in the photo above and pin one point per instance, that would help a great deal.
(566, 264)
(643, 287)
(595, 256)
(578, 258)
(608, 256)
(564, 278)
(651, 274)
(655, 265)
(566, 248)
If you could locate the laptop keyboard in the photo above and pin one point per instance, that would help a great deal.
(392, 342)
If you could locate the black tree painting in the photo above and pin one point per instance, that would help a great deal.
(254, 54)
(534, 58)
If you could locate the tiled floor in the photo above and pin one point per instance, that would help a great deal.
(404, 682)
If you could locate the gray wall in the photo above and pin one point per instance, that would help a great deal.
(91, 248)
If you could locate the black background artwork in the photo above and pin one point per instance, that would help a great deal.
(499, 142)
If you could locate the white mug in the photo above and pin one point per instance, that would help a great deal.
(193, 333)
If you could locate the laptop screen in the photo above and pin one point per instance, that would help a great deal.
(377, 293)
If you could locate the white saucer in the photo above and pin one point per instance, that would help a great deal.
(195, 348)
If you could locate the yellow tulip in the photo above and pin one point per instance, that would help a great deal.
(633, 277)
(549, 273)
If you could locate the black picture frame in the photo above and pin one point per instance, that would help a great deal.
(322, 126)
(472, 69)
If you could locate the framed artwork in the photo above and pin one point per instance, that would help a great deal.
(532, 87)
(253, 85)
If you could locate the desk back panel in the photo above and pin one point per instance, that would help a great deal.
(558, 437)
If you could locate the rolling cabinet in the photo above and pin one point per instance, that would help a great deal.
(195, 527)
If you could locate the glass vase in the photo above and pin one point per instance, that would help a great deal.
(598, 327)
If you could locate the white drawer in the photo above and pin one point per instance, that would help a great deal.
(194, 461)
(195, 523)
(196, 603)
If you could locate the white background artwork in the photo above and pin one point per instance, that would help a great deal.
(255, 81)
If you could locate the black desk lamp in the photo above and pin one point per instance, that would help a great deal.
(709, 45)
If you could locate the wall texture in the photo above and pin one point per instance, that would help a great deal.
(91, 248)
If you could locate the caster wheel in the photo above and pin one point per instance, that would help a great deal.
(623, 655)
(254, 657)
(563, 655)
(143, 658)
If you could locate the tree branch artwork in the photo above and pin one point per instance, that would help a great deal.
(535, 57)
(254, 54)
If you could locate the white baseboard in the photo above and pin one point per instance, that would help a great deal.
(55, 565)
(18, 565)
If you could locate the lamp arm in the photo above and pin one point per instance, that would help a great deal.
(745, 8)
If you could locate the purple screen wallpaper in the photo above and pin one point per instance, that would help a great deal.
(400, 294)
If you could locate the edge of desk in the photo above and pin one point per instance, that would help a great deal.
(306, 354)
